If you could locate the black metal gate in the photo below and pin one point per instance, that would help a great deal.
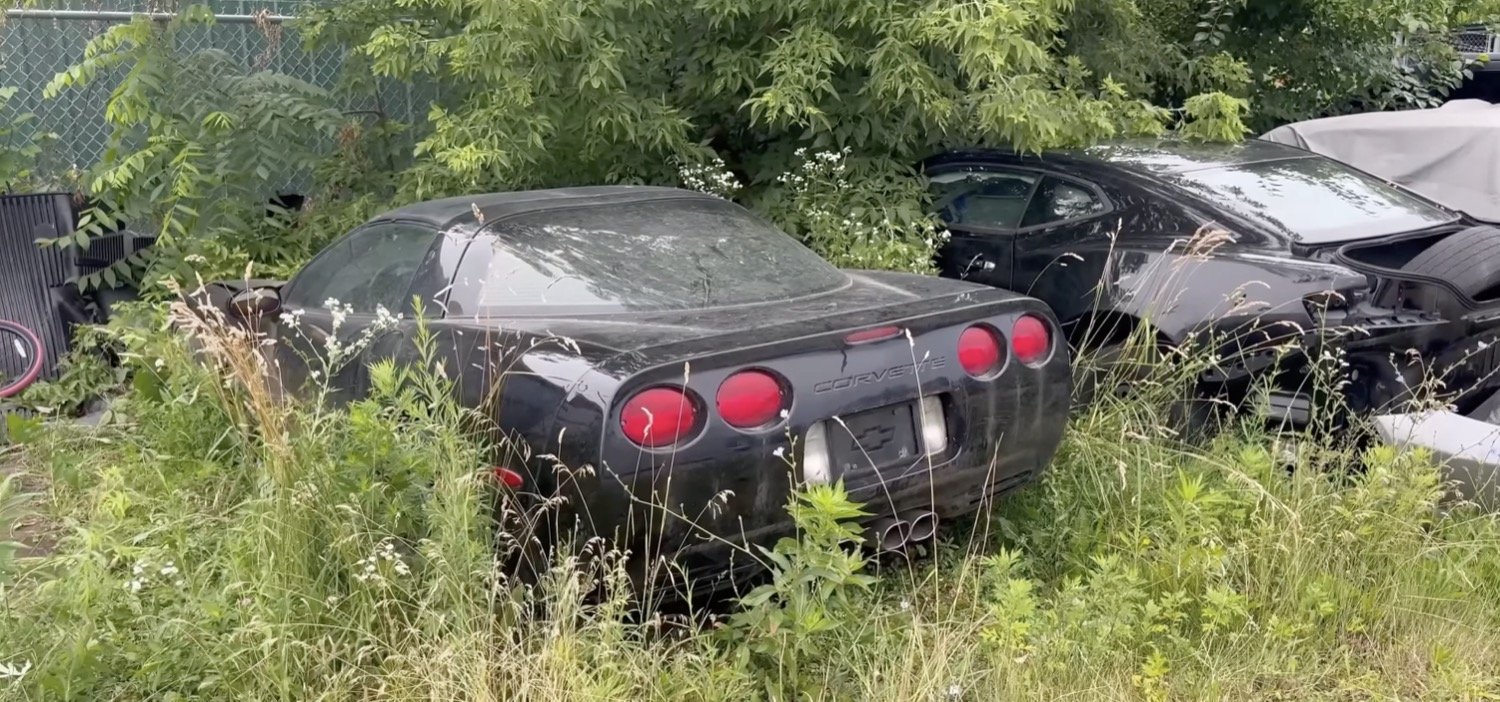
(33, 279)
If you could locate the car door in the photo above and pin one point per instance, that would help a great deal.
(1061, 247)
(331, 307)
(982, 207)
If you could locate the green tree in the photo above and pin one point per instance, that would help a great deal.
(545, 92)
(812, 110)
(19, 148)
(198, 148)
(1291, 59)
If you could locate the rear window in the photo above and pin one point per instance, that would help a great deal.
(653, 255)
(1313, 200)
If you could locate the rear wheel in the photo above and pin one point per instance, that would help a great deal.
(1118, 370)
(1106, 371)
(21, 358)
(1469, 260)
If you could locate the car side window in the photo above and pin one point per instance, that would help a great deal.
(991, 198)
(1060, 201)
(373, 267)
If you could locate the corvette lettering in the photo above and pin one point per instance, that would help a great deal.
(879, 376)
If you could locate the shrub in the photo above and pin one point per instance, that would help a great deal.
(19, 147)
(551, 93)
(198, 147)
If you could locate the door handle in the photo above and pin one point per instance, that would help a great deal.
(981, 264)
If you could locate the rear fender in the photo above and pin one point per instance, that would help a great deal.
(1098, 328)
(1230, 294)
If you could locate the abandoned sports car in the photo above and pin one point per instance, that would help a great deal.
(1246, 246)
(676, 366)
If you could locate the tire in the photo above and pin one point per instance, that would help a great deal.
(1106, 359)
(1469, 260)
(22, 358)
(1193, 415)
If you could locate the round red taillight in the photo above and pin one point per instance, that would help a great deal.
(1030, 340)
(658, 417)
(508, 477)
(750, 399)
(979, 351)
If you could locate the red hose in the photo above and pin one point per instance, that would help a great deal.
(37, 359)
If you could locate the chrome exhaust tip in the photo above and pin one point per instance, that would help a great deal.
(889, 534)
(923, 527)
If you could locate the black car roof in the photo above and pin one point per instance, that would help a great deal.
(449, 211)
(1165, 156)
(1151, 157)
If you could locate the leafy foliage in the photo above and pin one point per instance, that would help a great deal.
(199, 147)
(548, 92)
(19, 147)
(878, 224)
(87, 373)
(1291, 59)
(816, 579)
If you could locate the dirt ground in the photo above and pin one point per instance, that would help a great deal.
(34, 533)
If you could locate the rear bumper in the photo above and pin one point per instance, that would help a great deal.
(955, 488)
(1468, 448)
(1001, 441)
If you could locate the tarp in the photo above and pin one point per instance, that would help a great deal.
(1450, 154)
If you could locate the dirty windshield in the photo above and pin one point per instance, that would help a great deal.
(640, 256)
(1314, 200)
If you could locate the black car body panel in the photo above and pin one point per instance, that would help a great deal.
(1154, 246)
(555, 374)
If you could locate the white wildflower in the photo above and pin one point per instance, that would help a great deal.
(169, 569)
(384, 319)
(14, 673)
(384, 552)
(713, 178)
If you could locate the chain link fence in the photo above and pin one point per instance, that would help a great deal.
(37, 43)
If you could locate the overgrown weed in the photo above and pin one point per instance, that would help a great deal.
(226, 544)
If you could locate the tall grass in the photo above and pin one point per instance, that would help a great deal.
(220, 543)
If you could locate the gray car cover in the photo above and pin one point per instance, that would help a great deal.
(1450, 154)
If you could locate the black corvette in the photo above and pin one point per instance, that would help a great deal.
(1243, 247)
(675, 366)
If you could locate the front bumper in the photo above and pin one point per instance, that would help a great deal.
(1467, 446)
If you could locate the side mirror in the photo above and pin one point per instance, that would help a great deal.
(255, 303)
(979, 264)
